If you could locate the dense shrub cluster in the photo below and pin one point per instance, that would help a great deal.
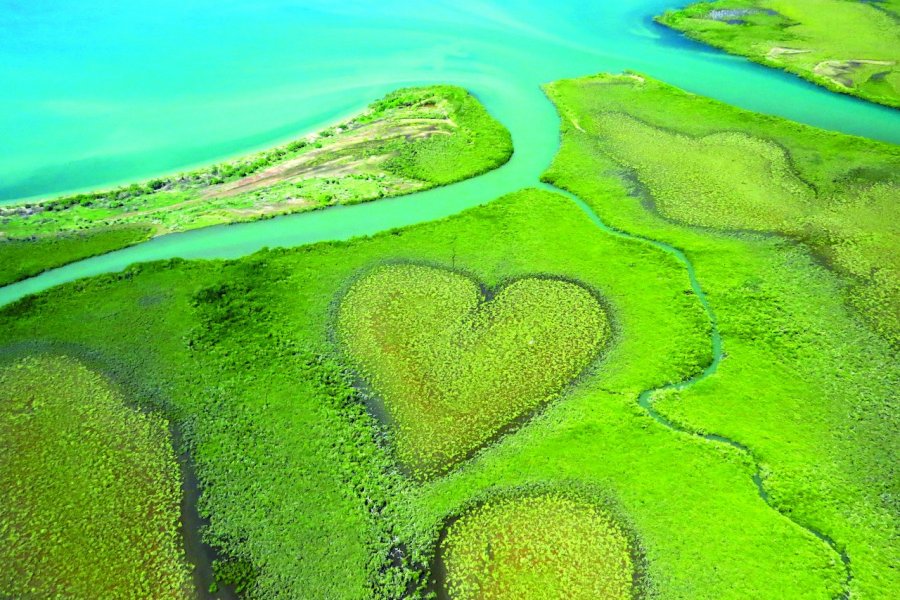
(475, 144)
(295, 486)
(546, 546)
(25, 258)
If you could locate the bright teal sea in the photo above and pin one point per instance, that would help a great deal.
(97, 92)
(100, 92)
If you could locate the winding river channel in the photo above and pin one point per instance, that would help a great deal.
(286, 70)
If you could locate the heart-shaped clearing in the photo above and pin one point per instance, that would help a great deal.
(453, 368)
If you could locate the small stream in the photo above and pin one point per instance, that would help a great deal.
(645, 399)
(198, 553)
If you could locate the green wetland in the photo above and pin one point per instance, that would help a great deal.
(666, 369)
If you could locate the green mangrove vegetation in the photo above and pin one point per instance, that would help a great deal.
(411, 140)
(804, 292)
(735, 170)
(21, 258)
(547, 546)
(89, 488)
(453, 369)
(848, 46)
(244, 361)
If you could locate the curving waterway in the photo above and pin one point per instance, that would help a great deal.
(646, 397)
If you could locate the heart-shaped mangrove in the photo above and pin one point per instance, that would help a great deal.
(453, 366)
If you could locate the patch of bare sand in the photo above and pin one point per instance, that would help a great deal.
(840, 71)
(310, 164)
(781, 51)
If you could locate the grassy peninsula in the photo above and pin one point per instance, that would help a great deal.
(848, 46)
(411, 140)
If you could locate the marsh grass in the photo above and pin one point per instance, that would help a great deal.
(543, 546)
(20, 258)
(849, 47)
(806, 310)
(731, 170)
(291, 464)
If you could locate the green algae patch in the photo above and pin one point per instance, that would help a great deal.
(452, 366)
(89, 489)
(547, 546)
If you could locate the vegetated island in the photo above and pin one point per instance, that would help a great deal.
(848, 46)
(411, 140)
(787, 228)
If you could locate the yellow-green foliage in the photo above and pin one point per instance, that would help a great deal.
(848, 46)
(89, 489)
(805, 385)
(26, 257)
(543, 547)
(453, 368)
(287, 458)
(836, 193)
(727, 179)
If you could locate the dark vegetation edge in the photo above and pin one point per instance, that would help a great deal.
(643, 587)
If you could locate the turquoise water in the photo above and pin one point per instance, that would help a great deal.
(99, 93)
